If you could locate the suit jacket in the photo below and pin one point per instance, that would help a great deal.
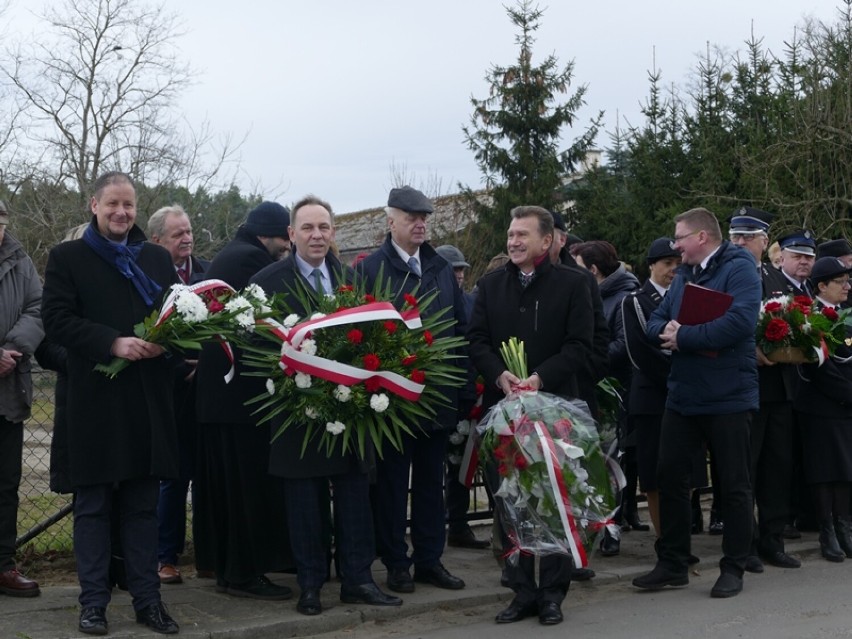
(651, 365)
(285, 458)
(557, 329)
(120, 428)
(219, 402)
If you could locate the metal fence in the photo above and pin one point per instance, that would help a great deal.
(44, 522)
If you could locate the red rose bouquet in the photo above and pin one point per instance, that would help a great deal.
(797, 323)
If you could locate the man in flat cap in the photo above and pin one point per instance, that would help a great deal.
(240, 525)
(798, 251)
(408, 264)
(772, 427)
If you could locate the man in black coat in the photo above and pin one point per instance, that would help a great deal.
(557, 331)
(239, 514)
(171, 228)
(408, 264)
(306, 476)
(121, 433)
(771, 430)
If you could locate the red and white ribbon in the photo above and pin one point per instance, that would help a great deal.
(346, 374)
(198, 289)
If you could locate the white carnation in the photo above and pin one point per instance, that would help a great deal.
(342, 393)
(255, 292)
(455, 460)
(308, 347)
(303, 380)
(379, 403)
(463, 427)
(456, 438)
(335, 428)
(190, 307)
(290, 320)
(270, 386)
(311, 413)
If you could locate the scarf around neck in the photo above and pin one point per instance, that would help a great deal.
(123, 259)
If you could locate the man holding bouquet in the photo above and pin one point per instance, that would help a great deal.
(557, 330)
(306, 476)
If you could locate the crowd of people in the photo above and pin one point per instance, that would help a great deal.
(131, 448)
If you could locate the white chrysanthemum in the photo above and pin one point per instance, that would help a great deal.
(456, 438)
(342, 393)
(290, 320)
(245, 320)
(317, 316)
(244, 311)
(255, 292)
(237, 303)
(463, 427)
(270, 386)
(308, 347)
(379, 403)
(266, 310)
(311, 412)
(190, 307)
(303, 380)
(455, 460)
(335, 428)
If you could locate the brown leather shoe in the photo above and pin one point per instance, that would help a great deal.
(169, 574)
(14, 584)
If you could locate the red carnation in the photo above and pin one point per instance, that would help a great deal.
(480, 388)
(427, 337)
(344, 288)
(355, 336)
(371, 362)
(410, 300)
(215, 306)
(408, 360)
(418, 376)
(776, 330)
(475, 412)
(503, 470)
(772, 307)
(390, 327)
(802, 300)
(372, 384)
(830, 313)
(369, 298)
(520, 461)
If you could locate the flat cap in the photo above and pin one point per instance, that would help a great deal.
(834, 248)
(558, 221)
(409, 200)
(453, 255)
(801, 242)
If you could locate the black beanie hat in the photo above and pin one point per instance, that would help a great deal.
(268, 219)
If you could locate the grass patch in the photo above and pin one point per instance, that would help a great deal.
(33, 510)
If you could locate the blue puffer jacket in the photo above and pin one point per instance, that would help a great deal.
(436, 275)
(700, 384)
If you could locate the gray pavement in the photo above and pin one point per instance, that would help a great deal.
(202, 612)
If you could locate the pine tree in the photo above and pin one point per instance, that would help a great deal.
(515, 133)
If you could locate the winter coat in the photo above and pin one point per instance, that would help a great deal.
(122, 428)
(651, 365)
(714, 369)
(613, 290)
(20, 326)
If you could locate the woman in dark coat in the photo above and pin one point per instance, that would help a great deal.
(824, 407)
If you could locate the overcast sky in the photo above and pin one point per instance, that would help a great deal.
(332, 92)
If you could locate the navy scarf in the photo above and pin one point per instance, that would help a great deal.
(123, 258)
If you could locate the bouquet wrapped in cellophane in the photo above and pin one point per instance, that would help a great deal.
(557, 487)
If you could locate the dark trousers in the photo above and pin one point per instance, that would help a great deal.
(11, 448)
(458, 501)
(136, 500)
(171, 514)
(728, 438)
(353, 518)
(553, 579)
(771, 468)
(421, 458)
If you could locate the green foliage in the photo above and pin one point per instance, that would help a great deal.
(515, 133)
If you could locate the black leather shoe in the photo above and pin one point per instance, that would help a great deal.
(582, 574)
(634, 523)
(660, 577)
(516, 611)
(549, 613)
(610, 546)
(727, 585)
(309, 602)
(843, 530)
(780, 559)
(828, 544)
(260, 588)
(753, 564)
(692, 560)
(157, 618)
(466, 539)
(791, 532)
(439, 577)
(368, 593)
(93, 621)
(399, 580)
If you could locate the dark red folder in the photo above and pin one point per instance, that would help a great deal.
(701, 305)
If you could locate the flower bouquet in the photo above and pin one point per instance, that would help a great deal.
(355, 369)
(793, 329)
(191, 315)
(556, 491)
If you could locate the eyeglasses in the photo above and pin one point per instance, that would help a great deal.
(843, 281)
(744, 237)
(680, 238)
